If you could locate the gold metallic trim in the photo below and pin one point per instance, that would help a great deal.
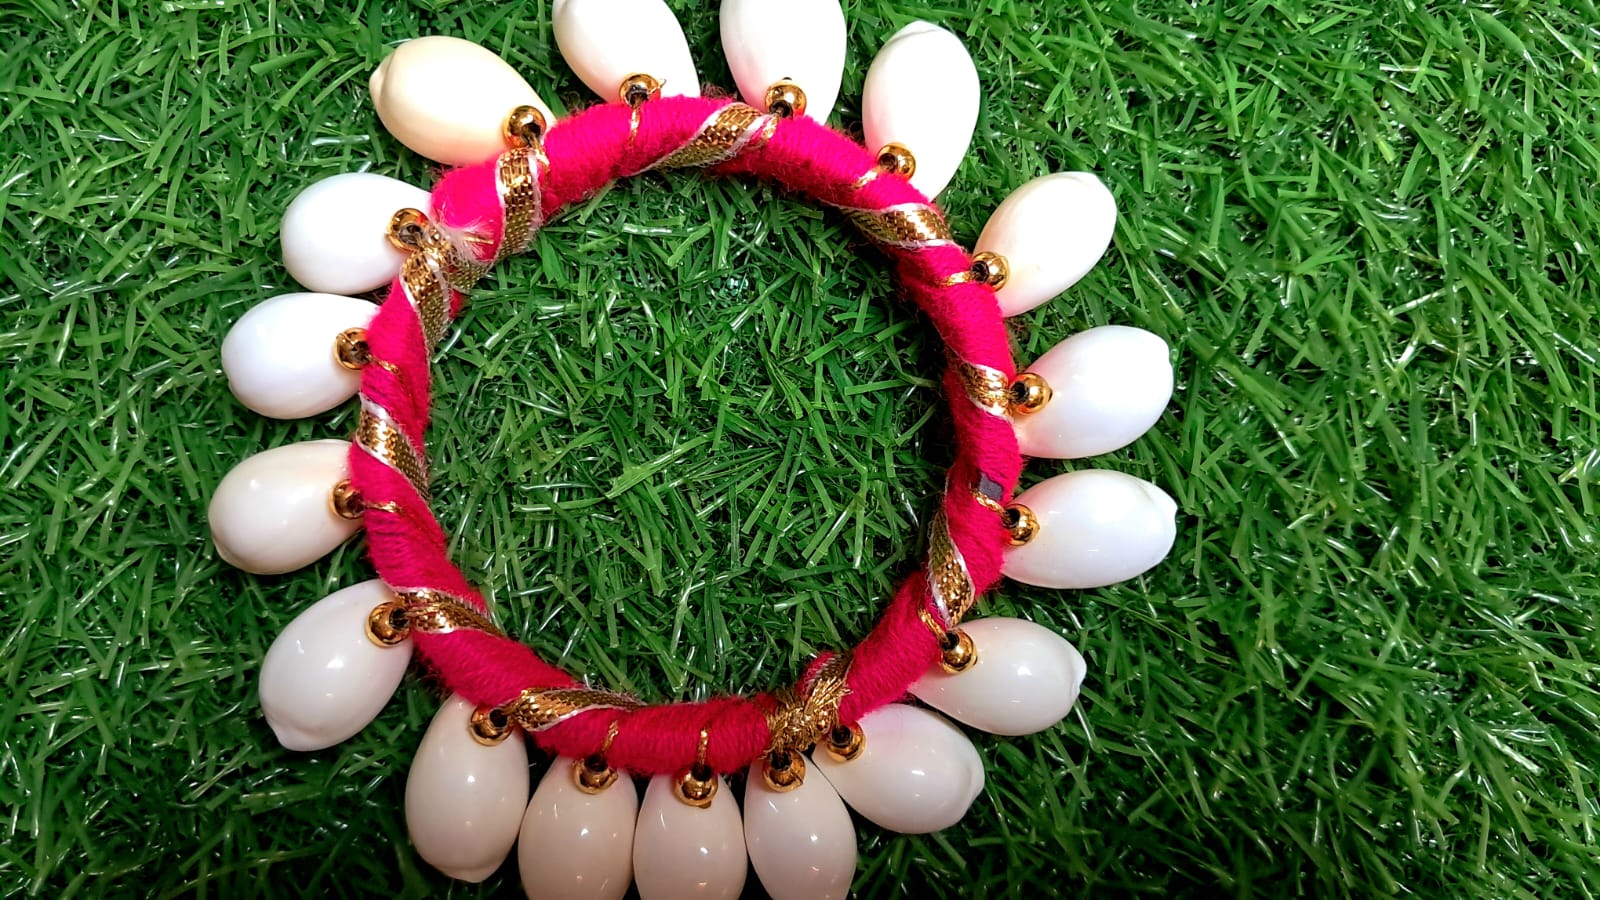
(537, 710)
(802, 718)
(428, 296)
(910, 226)
(377, 434)
(986, 387)
(435, 612)
(724, 134)
(948, 579)
(521, 198)
(988, 502)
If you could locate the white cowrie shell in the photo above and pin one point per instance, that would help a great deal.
(802, 842)
(323, 679)
(681, 851)
(1108, 386)
(279, 357)
(1096, 527)
(1025, 679)
(605, 41)
(464, 800)
(575, 845)
(447, 98)
(799, 40)
(917, 773)
(922, 93)
(272, 514)
(1051, 231)
(335, 234)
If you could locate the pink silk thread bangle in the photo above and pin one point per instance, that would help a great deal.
(585, 152)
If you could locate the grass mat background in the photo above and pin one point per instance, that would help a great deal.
(689, 441)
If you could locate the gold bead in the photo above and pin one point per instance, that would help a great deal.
(897, 158)
(697, 786)
(489, 725)
(639, 87)
(350, 348)
(345, 502)
(1028, 394)
(991, 269)
(592, 774)
(408, 229)
(846, 743)
(957, 653)
(523, 127)
(785, 99)
(1021, 523)
(387, 624)
(783, 771)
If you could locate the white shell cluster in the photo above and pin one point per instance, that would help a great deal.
(467, 803)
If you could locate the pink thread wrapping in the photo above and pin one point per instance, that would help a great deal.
(409, 547)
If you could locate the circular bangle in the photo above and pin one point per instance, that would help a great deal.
(899, 765)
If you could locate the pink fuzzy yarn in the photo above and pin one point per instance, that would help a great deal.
(409, 548)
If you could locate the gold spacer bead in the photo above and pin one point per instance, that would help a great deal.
(897, 158)
(350, 349)
(1021, 523)
(991, 269)
(387, 624)
(846, 743)
(408, 229)
(489, 725)
(345, 502)
(957, 653)
(524, 127)
(785, 99)
(639, 87)
(783, 771)
(1028, 394)
(697, 786)
(592, 775)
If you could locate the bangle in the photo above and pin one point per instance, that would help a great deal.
(901, 766)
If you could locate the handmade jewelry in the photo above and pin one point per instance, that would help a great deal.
(901, 766)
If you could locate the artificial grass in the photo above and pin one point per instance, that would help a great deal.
(689, 441)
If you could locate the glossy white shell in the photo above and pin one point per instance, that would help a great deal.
(683, 852)
(801, 40)
(605, 41)
(446, 98)
(335, 233)
(577, 846)
(323, 679)
(1051, 231)
(801, 842)
(271, 514)
(1026, 678)
(1096, 527)
(464, 800)
(279, 356)
(922, 93)
(1109, 385)
(917, 773)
